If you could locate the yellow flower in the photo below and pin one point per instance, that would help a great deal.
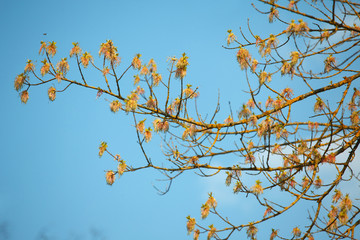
(85, 59)
(59, 76)
(251, 231)
(131, 105)
(147, 135)
(24, 96)
(156, 78)
(196, 234)
(51, 49)
(211, 232)
(301, 28)
(29, 66)
(230, 38)
(329, 63)
(110, 52)
(244, 58)
(151, 103)
(45, 68)
(76, 50)
(190, 225)
(144, 70)
(211, 201)
(102, 148)
(115, 106)
(205, 209)
(273, 13)
(52, 93)
(141, 126)
(63, 66)
(228, 120)
(19, 81)
(254, 64)
(121, 167)
(189, 93)
(294, 57)
(136, 79)
(105, 71)
(42, 47)
(257, 188)
(110, 177)
(136, 62)
(296, 231)
(181, 66)
(152, 66)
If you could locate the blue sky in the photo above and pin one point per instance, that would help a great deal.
(51, 179)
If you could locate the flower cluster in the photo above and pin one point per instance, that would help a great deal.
(244, 58)
(329, 63)
(257, 188)
(109, 51)
(136, 62)
(24, 96)
(190, 225)
(52, 93)
(181, 66)
(251, 231)
(230, 38)
(19, 81)
(160, 125)
(76, 50)
(45, 67)
(273, 13)
(298, 29)
(115, 106)
(131, 102)
(63, 66)
(85, 59)
(110, 177)
(102, 148)
(189, 93)
(29, 66)
(121, 167)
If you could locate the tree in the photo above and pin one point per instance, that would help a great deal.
(305, 157)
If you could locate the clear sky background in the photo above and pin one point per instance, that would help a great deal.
(52, 183)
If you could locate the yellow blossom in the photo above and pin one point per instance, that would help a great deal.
(110, 177)
(76, 50)
(52, 93)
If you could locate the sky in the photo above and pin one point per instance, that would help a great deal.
(52, 183)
